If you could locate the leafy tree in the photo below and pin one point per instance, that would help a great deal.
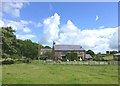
(16, 48)
(47, 47)
(8, 42)
(99, 57)
(28, 49)
(90, 52)
(113, 52)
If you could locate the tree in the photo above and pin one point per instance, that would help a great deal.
(28, 49)
(99, 57)
(90, 52)
(47, 47)
(8, 42)
(113, 52)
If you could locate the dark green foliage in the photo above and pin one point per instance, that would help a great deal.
(8, 42)
(47, 47)
(90, 52)
(99, 57)
(75, 54)
(27, 60)
(71, 56)
(113, 52)
(16, 56)
(16, 48)
(64, 59)
(28, 49)
(8, 62)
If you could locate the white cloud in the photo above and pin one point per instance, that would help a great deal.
(113, 41)
(51, 28)
(18, 25)
(1, 23)
(98, 40)
(12, 8)
(26, 29)
(25, 36)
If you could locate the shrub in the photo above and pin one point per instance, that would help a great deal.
(43, 57)
(8, 62)
(15, 56)
(27, 60)
(71, 56)
(64, 59)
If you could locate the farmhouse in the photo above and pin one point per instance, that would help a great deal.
(117, 56)
(60, 51)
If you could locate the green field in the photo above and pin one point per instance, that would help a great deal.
(35, 73)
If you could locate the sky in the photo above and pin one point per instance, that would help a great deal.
(93, 25)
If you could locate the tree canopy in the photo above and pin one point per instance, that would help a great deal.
(11, 46)
(90, 52)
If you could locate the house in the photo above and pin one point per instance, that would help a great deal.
(44, 50)
(88, 57)
(116, 56)
(60, 51)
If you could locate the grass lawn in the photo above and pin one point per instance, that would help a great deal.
(35, 73)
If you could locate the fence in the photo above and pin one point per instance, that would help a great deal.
(87, 62)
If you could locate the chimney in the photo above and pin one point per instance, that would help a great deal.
(53, 50)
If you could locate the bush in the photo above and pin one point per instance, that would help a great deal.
(15, 56)
(8, 62)
(27, 60)
(43, 57)
(64, 59)
(71, 56)
(18, 61)
(116, 59)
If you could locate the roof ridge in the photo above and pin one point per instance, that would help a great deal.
(68, 44)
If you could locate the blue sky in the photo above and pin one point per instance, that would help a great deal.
(83, 23)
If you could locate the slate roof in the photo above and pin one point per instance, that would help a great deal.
(117, 54)
(88, 56)
(68, 48)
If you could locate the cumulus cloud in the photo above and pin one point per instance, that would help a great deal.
(113, 41)
(12, 8)
(51, 28)
(18, 25)
(98, 40)
(1, 23)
